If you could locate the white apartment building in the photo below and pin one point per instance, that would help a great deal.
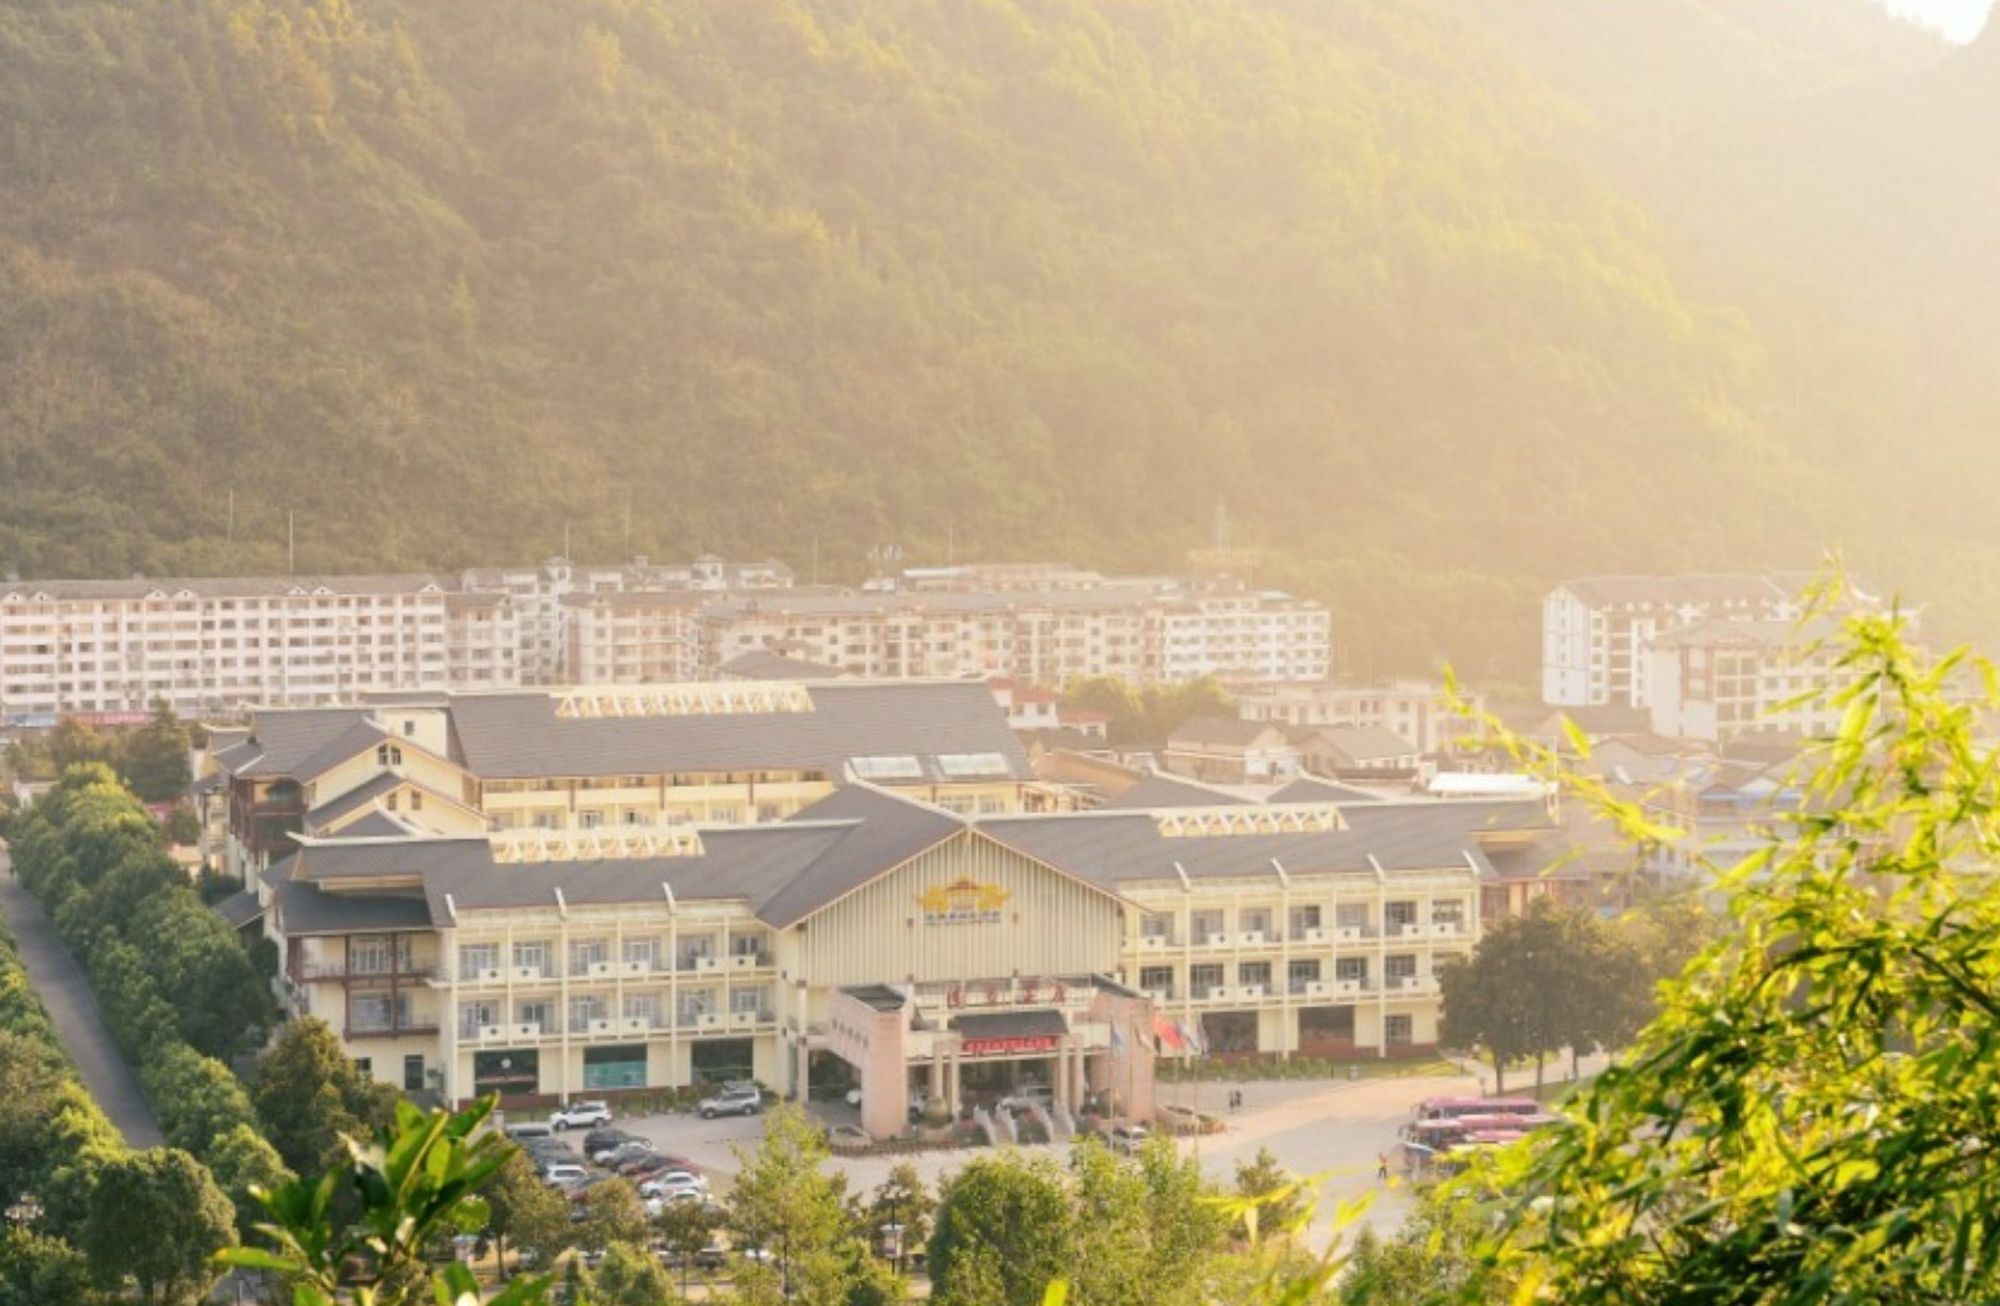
(634, 637)
(1138, 633)
(1719, 679)
(1595, 631)
(1413, 710)
(203, 646)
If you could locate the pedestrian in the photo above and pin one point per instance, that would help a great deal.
(1381, 1167)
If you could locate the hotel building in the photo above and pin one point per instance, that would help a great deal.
(878, 940)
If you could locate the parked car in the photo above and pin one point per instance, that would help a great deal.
(624, 1152)
(673, 1181)
(1128, 1138)
(650, 1163)
(736, 1101)
(582, 1115)
(532, 1129)
(918, 1101)
(606, 1138)
(564, 1176)
(1028, 1095)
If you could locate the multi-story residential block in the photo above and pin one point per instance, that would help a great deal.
(1141, 633)
(876, 940)
(620, 757)
(204, 646)
(1716, 679)
(1414, 710)
(631, 637)
(1596, 631)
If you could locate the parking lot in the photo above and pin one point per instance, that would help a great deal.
(1334, 1131)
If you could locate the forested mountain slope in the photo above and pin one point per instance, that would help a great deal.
(1047, 277)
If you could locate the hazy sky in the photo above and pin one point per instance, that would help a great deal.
(1960, 19)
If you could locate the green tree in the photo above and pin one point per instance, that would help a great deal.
(686, 1229)
(900, 1212)
(198, 1099)
(309, 1096)
(785, 1202)
(158, 1218)
(244, 1165)
(32, 1076)
(629, 1276)
(154, 758)
(1800, 1122)
(526, 1213)
(1280, 1200)
(1005, 1231)
(38, 1270)
(1517, 996)
(420, 1177)
(612, 1213)
(1434, 1257)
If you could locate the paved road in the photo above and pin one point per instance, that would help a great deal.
(65, 991)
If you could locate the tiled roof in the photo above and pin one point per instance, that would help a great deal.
(1312, 789)
(1229, 731)
(505, 736)
(239, 908)
(221, 586)
(304, 908)
(762, 664)
(1420, 835)
(299, 743)
(1157, 791)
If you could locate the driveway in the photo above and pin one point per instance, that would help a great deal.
(1331, 1131)
(65, 992)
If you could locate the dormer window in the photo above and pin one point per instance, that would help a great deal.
(388, 755)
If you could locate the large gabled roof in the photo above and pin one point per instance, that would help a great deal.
(299, 743)
(1159, 790)
(885, 832)
(519, 736)
(1114, 848)
(1220, 732)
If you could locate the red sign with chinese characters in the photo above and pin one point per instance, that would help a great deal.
(991, 1047)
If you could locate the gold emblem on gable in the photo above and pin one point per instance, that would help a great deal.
(963, 902)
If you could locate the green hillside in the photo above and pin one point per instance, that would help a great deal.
(1043, 277)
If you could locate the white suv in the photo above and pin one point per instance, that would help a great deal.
(582, 1115)
(737, 1100)
(1028, 1095)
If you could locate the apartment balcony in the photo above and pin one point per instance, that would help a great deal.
(1161, 995)
(1158, 942)
(1411, 986)
(414, 1027)
(404, 972)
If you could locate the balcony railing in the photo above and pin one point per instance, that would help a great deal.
(332, 970)
(416, 1025)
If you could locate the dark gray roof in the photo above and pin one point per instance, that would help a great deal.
(1312, 789)
(139, 587)
(1361, 744)
(1228, 731)
(879, 996)
(239, 908)
(1011, 1024)
(1157, 791)
(762, 664)
(785, 872)
(749, 864)
(299, 743)
(1111, 848)
(376, 825)
(506, 736)
(890, 831)
(360, 796)
(304, 908)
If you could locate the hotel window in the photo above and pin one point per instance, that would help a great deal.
(1399, 968)
(1302, 973)
(534, 1013)
(532, 955)
(645, 952)
(696, 947)
(643, 1006)
(1351, 916)
(1203, 978)
(475, 1016)
(1254, 920)
(1397, 915)
(747, 1000)
(476, 959)
(388, 755)
(585, 953)
(1398, 1031)
(1351, 968)
(1157, 979)
(1156, 925)
(583, 1010)
(1450, 912)
(1205, 925)
(696, 1003)
(1303, 919)
(1254, 972)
